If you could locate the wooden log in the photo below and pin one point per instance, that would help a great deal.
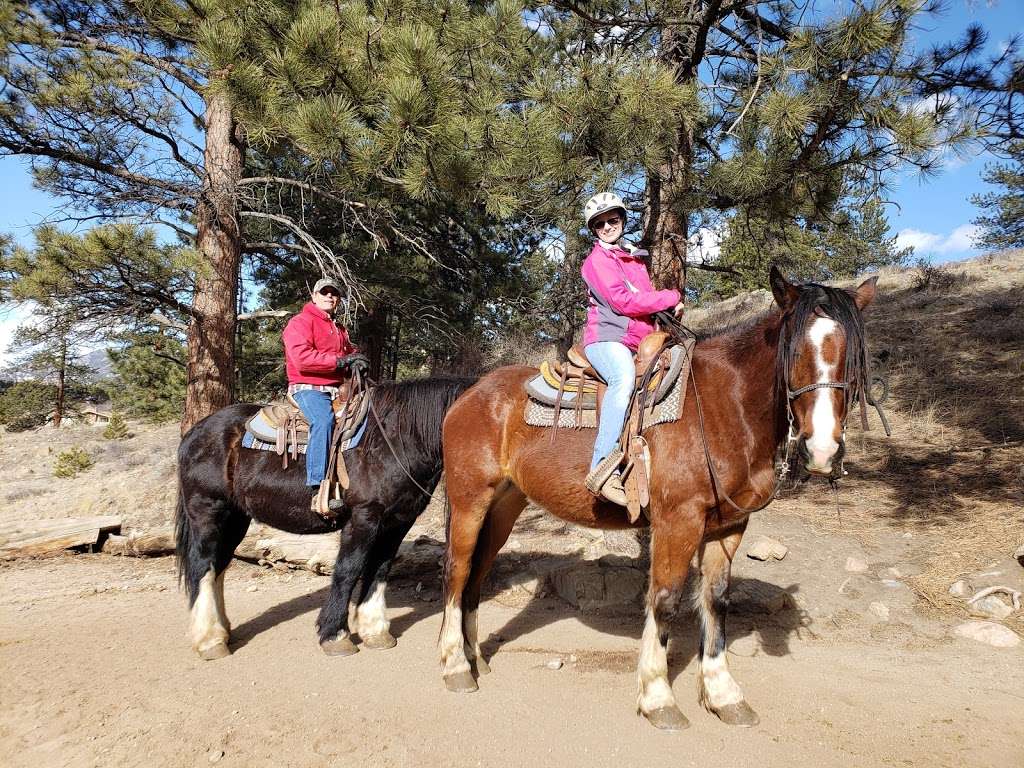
(29, 538)
(315, 552)
(159, 541)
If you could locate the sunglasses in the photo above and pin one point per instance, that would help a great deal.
(614, 221)
(330, 292)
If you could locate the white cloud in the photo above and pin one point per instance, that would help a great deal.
(960, 240)
(11, 316)
(705, 244)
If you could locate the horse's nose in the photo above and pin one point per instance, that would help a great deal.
(819, 455)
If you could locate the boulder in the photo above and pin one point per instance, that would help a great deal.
(765, 548)
(988, 632)
(991, 607)
(961, 588)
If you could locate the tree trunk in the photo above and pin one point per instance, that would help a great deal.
(58, 412)
(211, 335)
(666, 226)
(374, 339)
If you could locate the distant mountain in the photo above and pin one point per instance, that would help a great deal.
(98, 362)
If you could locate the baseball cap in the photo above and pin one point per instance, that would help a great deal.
(327, 282)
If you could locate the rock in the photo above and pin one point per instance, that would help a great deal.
(216, 755)
(753, 596)
(251, 588)
(625, 543)
(554, 664)
(765, 548)
(856, 565)
(961, 588)
(612, 561)
(1019, 554)
(624, 585)
(589, 586)
(991, 607)
(988, 632)
(881, 610)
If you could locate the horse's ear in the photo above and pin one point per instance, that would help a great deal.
(865, 292)
(785, 292)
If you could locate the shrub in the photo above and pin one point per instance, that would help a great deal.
(116, 429)
(935, 279)
(28, 403)
(71, 462)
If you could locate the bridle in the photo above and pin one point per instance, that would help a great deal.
(860, 389)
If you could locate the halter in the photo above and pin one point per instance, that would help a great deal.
(851, 388)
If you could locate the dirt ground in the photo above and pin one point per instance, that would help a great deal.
(846, 666)
(98, 671)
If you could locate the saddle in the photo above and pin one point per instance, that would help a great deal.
(575, 384)
(283, 425)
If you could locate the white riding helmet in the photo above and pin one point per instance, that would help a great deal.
(600, 203)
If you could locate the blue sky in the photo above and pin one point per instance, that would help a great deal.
(932, 214)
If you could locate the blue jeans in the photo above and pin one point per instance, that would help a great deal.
(316, 407)
(614, 361)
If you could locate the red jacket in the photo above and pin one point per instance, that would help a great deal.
(313, 342)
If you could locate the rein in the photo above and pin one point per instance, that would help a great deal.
(387, 442)
(680, 333)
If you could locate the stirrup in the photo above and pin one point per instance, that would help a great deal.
(606, 467)
(322, 504)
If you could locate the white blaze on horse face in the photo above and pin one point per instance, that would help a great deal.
(822, 444)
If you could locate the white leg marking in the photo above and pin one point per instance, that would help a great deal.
(207, 629)
(822, 444)
(453, 656)
(719, 687)
(373, 620)
(653, 689)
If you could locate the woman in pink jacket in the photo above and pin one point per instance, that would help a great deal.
(622, 301)
(318, 357)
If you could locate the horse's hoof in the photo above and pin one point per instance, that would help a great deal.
(339, 646)
(379, 642)
(738, 714)
(215, 651)
(482, 667)
(667, 719)
(461, 682)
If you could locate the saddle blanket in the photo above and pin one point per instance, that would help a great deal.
(249, 440)
(540, 414)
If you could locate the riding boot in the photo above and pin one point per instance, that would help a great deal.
(323, 504)
(613, 490)
(599, 480)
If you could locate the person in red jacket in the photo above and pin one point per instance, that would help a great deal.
(318, 357)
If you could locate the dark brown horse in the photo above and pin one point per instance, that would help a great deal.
(793, 372)
(222, 487)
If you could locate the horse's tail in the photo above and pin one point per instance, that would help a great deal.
(182, 540)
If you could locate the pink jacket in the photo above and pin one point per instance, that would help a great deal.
(313, 342)
(621, 297)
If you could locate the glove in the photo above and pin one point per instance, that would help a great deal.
(355, 362)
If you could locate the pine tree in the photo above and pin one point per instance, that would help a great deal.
(1002, 221)
(117, 427)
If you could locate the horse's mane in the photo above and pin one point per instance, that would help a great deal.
(419, 405)
(837, 304)
(737, 340)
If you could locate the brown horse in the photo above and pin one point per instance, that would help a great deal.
(794, 372)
